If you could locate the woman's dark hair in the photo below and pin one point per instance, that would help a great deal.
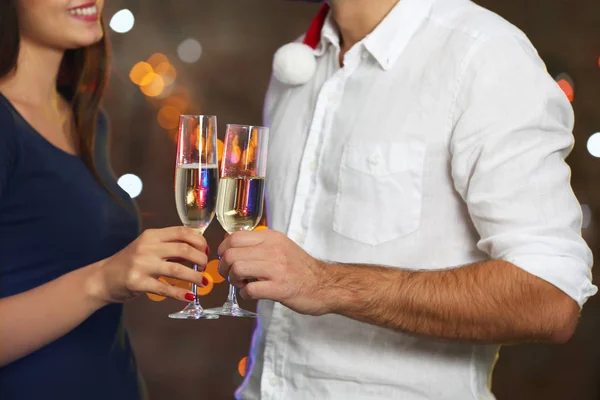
(82, 77)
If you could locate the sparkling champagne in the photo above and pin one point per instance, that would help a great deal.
(196, 194)
(240, 203)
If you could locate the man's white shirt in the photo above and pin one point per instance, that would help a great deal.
(440, 143)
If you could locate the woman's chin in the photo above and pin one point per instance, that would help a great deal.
(87, 40)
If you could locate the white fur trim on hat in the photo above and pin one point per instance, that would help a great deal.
(294, 64)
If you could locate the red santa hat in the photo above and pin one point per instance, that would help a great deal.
(295, 64)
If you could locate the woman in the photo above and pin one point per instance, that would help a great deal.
(68, 250)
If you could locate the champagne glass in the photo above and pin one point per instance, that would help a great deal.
(241, 192)
(196, 185)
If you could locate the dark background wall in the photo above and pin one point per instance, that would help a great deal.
(199, 360)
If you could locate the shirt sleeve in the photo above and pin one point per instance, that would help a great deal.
(512, 133)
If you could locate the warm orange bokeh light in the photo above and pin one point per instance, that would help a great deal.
(155, 87)
(261, 228)
(182, 92)
(212, 269)
(203, 291)
(168, 73)
(567, 88)
(220, 146)
(155, 297)
(242, 366)
(156, 59)
(168, 117)
(178, 102)
(141, 73)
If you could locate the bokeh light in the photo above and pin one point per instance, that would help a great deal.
(132, 184)
(168, 117)
(242, 366)
(212, 269)
(157, 59)
(122, 21)
(567, 85)
(189, 51)
(155, 297)
(141, 73)
(220, 146)
(593, 144)
(567, 88)
(155, 87)
(587, 215)
(261, 228)
(167, 72)
(177, 102)
(203, 291)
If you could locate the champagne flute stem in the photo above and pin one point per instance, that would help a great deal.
(195, 289)
(231, 297)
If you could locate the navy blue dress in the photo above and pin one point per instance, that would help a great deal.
(54, 218)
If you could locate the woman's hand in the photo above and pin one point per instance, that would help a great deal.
(136, 268)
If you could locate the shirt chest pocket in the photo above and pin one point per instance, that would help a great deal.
(379, 190)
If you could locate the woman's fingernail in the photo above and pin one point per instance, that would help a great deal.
(190, 297)
(207, 250)
(205, 281)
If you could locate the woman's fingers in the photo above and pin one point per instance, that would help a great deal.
(181, 272)
(162, 289)
(182, 251)
(183, 234)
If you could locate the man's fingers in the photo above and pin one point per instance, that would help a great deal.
(260, 290)
(241, 272)
(234, 255)
(242, 239)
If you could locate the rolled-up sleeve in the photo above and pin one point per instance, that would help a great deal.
(512, 133)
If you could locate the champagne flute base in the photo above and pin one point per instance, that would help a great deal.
(193, 311)
(227, 310)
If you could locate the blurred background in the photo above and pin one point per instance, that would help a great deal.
(214, 57)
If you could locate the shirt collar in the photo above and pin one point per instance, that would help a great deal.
(390, 37)
(329, 36)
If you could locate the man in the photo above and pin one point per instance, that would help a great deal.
(420, 210)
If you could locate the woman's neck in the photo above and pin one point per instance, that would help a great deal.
(33, 82)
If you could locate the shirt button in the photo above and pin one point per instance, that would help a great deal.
(313, 166)
(375, 159)
(364, 55)
(301, 237)
(274, 381)
(286, 312)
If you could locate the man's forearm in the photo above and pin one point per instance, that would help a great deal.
(492, 301)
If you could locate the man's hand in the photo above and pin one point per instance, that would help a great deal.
(491, 301)
(268, 265)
